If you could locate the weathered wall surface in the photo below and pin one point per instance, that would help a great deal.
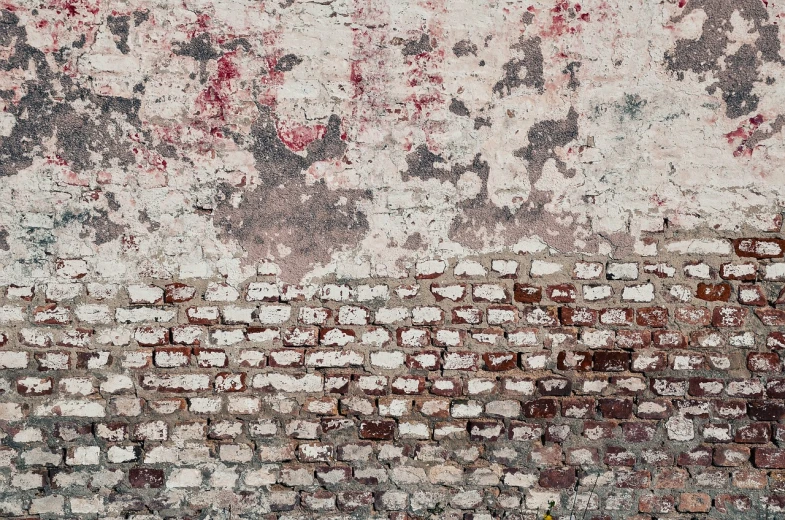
(391, 259)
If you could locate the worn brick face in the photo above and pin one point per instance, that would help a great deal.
(391, 260)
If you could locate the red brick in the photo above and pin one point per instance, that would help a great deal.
(618, 456)
(525, 293)
(561, 293)
(578, 316)
(668, 339)
(649, 361)
(485, 430)
(651, 316)
(577, 407)
(611, 361)
(446, 387)
(466, 316)
(763, 362)
(500, 361)
(693, 315)
(633, 339)
(379, 430)
(746, 272)
(568, 360)
(611, 408)
(657, 504)
(412, 338)
(697, 456)
(654, 409)
(771, 317)
(178, 293)
(752, 295)
(775, 340)
(557, 478)
(146, 477)
(759, 247)
(300, 337)
(766, 410)
(754, 433)
(769, 458)
(440, 291)
(541, 316)
(704, 387)
(775, 388)
(424, 360)
(638, 431)
(725, 503)
(671, 478)
(617, 316)
(408, 385)
(230, 382)
(34, 386)
(728, 316)
(633, 479)
(541, 409)
(694, 503)
(731, 456)
(711, 292)
(550, 386)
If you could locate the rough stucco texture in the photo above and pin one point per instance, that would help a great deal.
(392, 259)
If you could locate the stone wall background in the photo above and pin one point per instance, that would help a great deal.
(376, 259)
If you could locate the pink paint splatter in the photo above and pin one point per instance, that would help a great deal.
(297, 137)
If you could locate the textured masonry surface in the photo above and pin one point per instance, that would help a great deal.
(392, 259)
(478, 388)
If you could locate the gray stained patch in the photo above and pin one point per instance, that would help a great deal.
(416, 47)
(118, 26)
(572, 69)
(287, 63)
(310, 221)
(201, 49)
(4, 240)
(738, 75)
(480, 122)
(458, 108)
(464, 48)
(43, 112)
(544, 136)
(531, 61)
(105, 229)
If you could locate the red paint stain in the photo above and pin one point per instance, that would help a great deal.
(682, 3)
(743, 133)
(226, 69)
(297, 137)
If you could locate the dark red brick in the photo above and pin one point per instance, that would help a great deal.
(759, 247)
(569, 360)
(541, 408)
(525, 293)
(668, 339)
(578, 316)
(146, 477)
(561, 293)
(557, 478)
(611, 361)
(612, 408)
(651, 316)
(753, 433)
(500, 361)
(714, 292)
(379, 430)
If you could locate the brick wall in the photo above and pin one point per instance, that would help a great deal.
(479, 388)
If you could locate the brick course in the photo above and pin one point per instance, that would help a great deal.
(461, 390)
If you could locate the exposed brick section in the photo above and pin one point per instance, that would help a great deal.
(471, 387)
